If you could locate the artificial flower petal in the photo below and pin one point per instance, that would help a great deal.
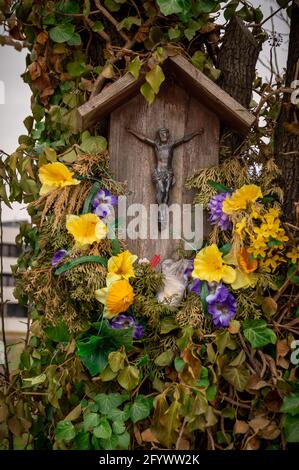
(122, 265)
(120, 297)
(86, 229)
(241, 198)
(55, 175)
(209, 266)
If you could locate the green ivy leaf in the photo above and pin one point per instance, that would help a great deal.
(123, 441)
(134, 67)
(76, 69)
(116, 360)
(198, 60)
(62, 32)
(168, 324)
(128, 378)
(93, 350)
(91, 421)
(141, 408)
(58, 333)
(290, 404)
(193, 27)
(94, 145)
(236, 376)
(291, 428)
(113, 5)
(230, 9)
(65, 431)
(3, 194)
(155, 77)
(109, 401)
(82, 441)
(118, 427)
(258, 334)
(148, 93)
(69, 7)
(103, 430)
(169, 7)
(207, 6)
(174, 33)
(128, 22)
(165, 358)
(98, 26)
(75, 40)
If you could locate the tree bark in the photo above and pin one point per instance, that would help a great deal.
(237, 61)
(287, 143)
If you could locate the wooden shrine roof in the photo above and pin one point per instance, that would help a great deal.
(199, 85)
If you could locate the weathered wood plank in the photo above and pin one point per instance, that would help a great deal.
(209, 93)
(109, 99)
(134, 161)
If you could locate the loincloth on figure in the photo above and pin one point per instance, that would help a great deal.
(164, 176)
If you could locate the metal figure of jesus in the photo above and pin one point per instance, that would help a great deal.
(163, 175)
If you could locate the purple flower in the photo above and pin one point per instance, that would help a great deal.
(195, 286)
(58, 256)
(127, 321)
(103, 202)
(222, 306)
(188, 270)
(217, 216)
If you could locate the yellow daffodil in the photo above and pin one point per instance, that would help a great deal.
(241, 198)
(117, 297)
(55, 175)
(121, 266)
(247, 263)
(86, 229)
(209, 266)
(293, 255)
(245, 277)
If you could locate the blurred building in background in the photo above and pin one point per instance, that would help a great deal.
(15, 315)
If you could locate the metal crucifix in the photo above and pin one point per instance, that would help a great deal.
(163, 175)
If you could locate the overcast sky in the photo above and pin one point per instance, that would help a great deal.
(17, 94)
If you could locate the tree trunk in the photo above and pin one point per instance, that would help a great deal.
(287, 143)
(237, 61)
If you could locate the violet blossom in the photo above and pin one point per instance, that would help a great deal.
(103, 203)
(127, 321)
(222, 306)
(58, 256)
(217, 216)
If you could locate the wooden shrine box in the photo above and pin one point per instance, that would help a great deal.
(187, 101)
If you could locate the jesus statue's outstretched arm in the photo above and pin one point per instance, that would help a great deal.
(141, 137)
(187, 137)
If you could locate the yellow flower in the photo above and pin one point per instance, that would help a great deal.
(241, 198)
(255, 214)
(271, 263)
(117, 297)
(246, 262)
(293, 254)
(121, 266)
(245, 277)
(209, 266)
(86, 229)
(55, 175)
(240, 226)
